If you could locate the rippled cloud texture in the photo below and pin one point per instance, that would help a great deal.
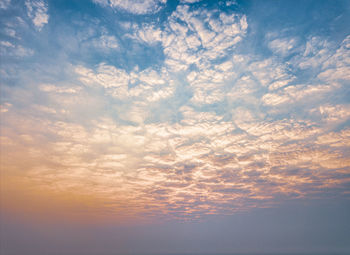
(143, 109)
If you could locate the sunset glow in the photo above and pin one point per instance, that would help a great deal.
(156, 111)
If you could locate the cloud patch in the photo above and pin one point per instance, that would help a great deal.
(37, 11)
(137, 7)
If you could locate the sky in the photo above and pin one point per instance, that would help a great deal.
(174, 127)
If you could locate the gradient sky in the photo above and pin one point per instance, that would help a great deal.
(142, 127)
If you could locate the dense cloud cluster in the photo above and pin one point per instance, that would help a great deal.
(214, 130)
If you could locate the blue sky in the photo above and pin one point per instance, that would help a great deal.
(150, 115)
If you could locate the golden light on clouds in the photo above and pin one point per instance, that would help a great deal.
(202, 125)
(202, 165)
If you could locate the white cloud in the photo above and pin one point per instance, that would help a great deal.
(335, 139)
(147, 86)
(335, 74)
(134, 6)
(337, 66)
(322, 55)
(338, 113)
(149, 34)
(107, 42)
(296, 93)
(276, 99)
(58, 89)
(271, 73)
(4, 4)
(109, 76)
(9, 49)
(205, 96)
(283, 46)
(197, 38)
(200, 38)
(11, 32)
(37, 12)
(7, 44)
(23, 52)
(189, 1)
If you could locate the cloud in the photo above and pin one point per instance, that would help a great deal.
(221, 165)
(148, 34)
(4, 4)
(326, 58)
(334, 113)
(9, 49)
(7, 44)
(212, 129)
(296, 93)
(193, 37)
(55, 89)
(335, 139)
(107, 76)
(198, 37)
(37, 12)
(143, 87)
(329, 65)
(190, 1)
(11, 32)
(135, 7)
(282, 46)
(5, 107)
(106, 42)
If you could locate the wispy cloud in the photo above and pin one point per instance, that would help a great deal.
(37, 11)
(4, 4)
(9, 49)
(134, 7)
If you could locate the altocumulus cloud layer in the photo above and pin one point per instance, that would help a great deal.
(171, 109)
